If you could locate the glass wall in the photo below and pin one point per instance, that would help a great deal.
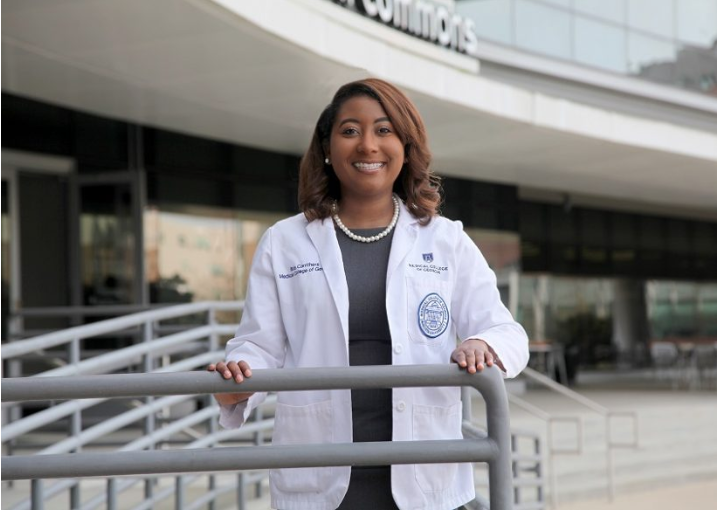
(576, 311)
(200, 254)
(107, 244)
(672, 42)
(502, 250)
(6, 233)
(548, 304)
(682, 310)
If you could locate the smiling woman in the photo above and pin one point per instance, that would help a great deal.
(392, 282)
(392, 123)
(366, 155)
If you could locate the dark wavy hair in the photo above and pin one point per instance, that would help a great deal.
(416, 184)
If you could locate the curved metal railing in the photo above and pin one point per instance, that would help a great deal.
(494, 449)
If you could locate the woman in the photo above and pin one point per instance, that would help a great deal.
(368, 274)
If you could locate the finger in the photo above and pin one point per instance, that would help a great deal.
(236, 371)
(480, 359)
(471, 362)
(489, 358)
(245, 368)
(211, 368)
(226, 369)
(460, 358)
(220, 368)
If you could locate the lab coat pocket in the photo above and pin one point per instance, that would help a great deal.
(428, 313)
(308, 424)
(432, 423)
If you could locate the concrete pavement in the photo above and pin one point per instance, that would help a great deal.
(695, 496)
(674, 463)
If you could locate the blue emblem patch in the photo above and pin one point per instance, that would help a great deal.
(428, 257)
(433, 315)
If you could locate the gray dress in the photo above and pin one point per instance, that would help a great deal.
(370, 343)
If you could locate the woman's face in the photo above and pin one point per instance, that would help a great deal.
(365, 151)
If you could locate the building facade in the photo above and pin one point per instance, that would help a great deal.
(148, 145)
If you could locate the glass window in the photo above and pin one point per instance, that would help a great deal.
(107, 241)
(696, 69)
(600, 45)
(200, 254)
(651, 58)
(696, 22)
(567, 310)
(543, 29)
(561, 3)
(7, 239)
(503, 253)
(681, 310)
(655, 16)
(612, 10)
(492, 18)
(500, 249)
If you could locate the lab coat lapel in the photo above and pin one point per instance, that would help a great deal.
(322, 234)
(403, 240)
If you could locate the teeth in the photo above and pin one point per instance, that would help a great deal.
(368, 166)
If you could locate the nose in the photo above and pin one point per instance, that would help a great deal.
(367, 143)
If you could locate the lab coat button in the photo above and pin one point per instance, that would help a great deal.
(398, 349)
(401, 406)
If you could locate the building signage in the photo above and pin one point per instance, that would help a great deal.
(420, 18)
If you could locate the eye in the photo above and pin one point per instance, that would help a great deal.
(384, 130)
(350, 131)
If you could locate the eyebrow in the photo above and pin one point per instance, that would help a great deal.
(381, 119)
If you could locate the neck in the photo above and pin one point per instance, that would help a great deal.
(367, 212)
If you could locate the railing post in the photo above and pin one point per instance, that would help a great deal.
(14, 412)
(500, 468)
(259, 440)
(610, 459)
(179, 493)
(37, 499)
(540, 474)
(208, 399)
(515, 467)
(148, 366)
(554, 501)
(75, 421)
(241, 496)
(112, 494)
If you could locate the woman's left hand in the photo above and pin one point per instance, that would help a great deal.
(474, 355)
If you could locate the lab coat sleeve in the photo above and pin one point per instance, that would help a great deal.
(478, 311)
(260, 339)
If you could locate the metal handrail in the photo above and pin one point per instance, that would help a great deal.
(54, 413)
(495, 449)
(549, 421)
(154, 348)
(21, 347)
(607, 413)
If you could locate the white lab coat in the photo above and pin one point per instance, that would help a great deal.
(439, 288)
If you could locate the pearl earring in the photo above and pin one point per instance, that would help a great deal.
(327, 161)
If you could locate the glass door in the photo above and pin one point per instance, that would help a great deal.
(109, 237)
(10, 271)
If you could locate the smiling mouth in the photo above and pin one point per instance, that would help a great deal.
(368, 167)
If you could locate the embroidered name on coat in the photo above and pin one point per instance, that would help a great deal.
(303, 268)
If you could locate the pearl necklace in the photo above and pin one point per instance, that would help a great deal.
(370, 239)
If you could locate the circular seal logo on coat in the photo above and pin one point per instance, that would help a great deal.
(433, 315)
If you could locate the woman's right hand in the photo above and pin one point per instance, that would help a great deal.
(231, 370)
